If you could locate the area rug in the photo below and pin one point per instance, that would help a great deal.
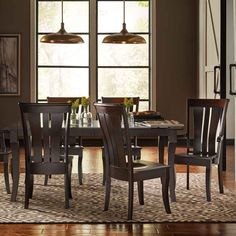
(47, 205)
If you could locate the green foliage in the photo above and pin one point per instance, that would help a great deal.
(85, 101)
(128, 102)
(75, 105)
(143, 3)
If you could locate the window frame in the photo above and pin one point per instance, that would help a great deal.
(93, 66)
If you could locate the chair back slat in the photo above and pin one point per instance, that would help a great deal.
(36, 138)
(197, 119)
(205, 119)
(207, 124)
(216, 116)
(44, 126)
(114, 137)
(120, 100)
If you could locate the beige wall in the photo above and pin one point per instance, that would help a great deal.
(176, 55)
(14, 18)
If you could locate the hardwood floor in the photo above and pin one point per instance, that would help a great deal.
(92, 163)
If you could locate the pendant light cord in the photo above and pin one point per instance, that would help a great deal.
(124, 11)
(62, 21)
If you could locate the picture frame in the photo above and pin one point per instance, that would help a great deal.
(10, 64)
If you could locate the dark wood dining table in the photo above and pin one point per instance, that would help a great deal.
(167, 134)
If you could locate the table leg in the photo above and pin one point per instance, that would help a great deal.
(161, 145)
(15, 164)
(171, 156)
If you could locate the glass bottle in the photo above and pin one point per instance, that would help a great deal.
(86, 116)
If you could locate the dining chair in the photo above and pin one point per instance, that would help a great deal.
(75, 144)
(44, 128)
(135, 149)
(205, 134)
(119, 161)
(5, 157)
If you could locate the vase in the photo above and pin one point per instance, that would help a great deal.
(86, 116)
(73, 118)
(130, 116)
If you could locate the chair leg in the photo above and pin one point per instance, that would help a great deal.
(208, 183)
(140, 192)
(69, 176)
(6, 175)
(165, 186)
(104, 167)
(27, 191)
(220, 178)
(46, 180)
(80, 171)
(107, 195)
(188, 177)
(31, 186)
(130, 203)
(67, 185)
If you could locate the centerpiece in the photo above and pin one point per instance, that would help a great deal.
(86, 115)
(74, 110)
(128, 103)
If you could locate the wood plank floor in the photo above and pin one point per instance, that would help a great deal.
(92, 163)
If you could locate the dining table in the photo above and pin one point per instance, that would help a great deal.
(166, 131)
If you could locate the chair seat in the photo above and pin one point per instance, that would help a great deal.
(194, 159)
(144, 170)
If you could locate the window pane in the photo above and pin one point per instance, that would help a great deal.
(76, 15)
(122, 54)
(123, 82)
(63, 54)
(110, 16)
(143, 106)
(62, 82)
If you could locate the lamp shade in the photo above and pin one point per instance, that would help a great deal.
(61, 37)
(124, 37)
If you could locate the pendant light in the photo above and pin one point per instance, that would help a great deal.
(61, 36)
(124, 37)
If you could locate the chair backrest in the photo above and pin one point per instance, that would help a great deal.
(66, 100)
(205, 125)
(44, 126)
(115, 137)
(120, 100)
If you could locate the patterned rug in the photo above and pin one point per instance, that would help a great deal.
(47, 205)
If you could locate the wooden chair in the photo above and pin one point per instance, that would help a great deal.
(117, 144)
(5, 155)
(135, 149)
(75, 144)
(205, 134)
(44, 127)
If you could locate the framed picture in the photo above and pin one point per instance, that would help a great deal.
(9, 64)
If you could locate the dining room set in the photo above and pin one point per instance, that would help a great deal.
(53, 133)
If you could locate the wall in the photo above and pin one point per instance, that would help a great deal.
(177, 56)
(15, 18)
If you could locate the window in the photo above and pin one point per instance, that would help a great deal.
(93, 68)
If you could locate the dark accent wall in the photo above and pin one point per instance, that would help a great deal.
(15, 18)
(177, 56)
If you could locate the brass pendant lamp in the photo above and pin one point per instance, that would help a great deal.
(61, 36)
(124, 37)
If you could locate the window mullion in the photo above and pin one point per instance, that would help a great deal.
(93, 51)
